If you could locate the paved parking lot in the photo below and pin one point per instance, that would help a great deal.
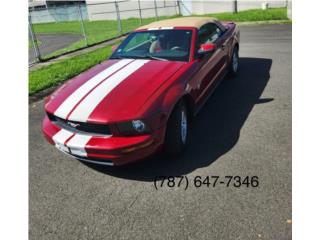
(244, 129)
(50, 43)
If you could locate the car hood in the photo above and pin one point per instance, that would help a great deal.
(112, 91)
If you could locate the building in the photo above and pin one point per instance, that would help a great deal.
(39, 5)
(56, 11)
(106, 10)
(189, 7)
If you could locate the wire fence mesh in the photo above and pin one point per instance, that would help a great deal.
(55, 30)
(58, 29)
(33, 47)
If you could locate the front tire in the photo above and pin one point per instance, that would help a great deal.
(177, 130)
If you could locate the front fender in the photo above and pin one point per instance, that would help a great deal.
(172, 97)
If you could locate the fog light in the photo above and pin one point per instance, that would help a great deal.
(138, 125)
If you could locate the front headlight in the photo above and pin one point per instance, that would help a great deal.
(134, 127)
(139, 126)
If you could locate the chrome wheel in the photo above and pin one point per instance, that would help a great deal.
(184, 126)
(235, 61)
(177, 130)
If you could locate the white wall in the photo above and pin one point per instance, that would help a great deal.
(217, 6)
(289, 10)
(129, 9)
(58, 14)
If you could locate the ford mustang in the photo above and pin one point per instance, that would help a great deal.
(141, 100)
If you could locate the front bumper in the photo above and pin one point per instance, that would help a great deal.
(105, 150)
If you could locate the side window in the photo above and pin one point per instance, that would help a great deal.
(216, 33)
(204, 34)
(209, 32)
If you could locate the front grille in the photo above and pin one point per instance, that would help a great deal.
(80, 127)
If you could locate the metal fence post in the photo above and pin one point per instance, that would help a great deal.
(235, 6)
(140, 14)
(178, 4)
(55, 12)
(155, 9)
(118, 17)
(82, 25)
(34, 40)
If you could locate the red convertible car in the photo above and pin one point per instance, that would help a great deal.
(142, 98)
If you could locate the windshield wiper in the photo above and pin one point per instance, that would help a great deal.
(139, 57)
(117, 57)
(156, 58)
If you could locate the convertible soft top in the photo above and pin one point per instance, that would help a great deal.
(196, 22)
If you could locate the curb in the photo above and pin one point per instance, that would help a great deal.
(264, 22)
(42, 94)
(76, 52)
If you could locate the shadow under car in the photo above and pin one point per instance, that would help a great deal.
(213, 132)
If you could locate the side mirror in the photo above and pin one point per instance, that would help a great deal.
(206, 48)
(114, 48)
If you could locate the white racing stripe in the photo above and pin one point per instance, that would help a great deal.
(150, 29)
(87, 106)
(159, 28)
(78, 143)
(64, 109)
(60, 137)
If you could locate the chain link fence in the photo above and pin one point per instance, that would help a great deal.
(58, 29)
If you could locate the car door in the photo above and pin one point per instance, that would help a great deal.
(210, 66)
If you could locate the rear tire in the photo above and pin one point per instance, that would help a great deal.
(234, 63)
(177, 130)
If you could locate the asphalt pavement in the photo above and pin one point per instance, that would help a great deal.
(243, 130)
(49, 43)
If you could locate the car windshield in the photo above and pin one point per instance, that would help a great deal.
(162, 45)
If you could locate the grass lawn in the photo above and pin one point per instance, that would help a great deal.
(253, 15)
(97, 31)
(30, 45)
(63, 70)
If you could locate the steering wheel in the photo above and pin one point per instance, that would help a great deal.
(176, 48)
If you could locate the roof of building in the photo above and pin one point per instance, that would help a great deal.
(196, 22)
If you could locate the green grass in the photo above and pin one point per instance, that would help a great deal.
(63, 70)
(74, 46)
(253, 15)
(97, 31)
(30, 45)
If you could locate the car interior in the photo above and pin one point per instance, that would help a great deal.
(171, 44)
